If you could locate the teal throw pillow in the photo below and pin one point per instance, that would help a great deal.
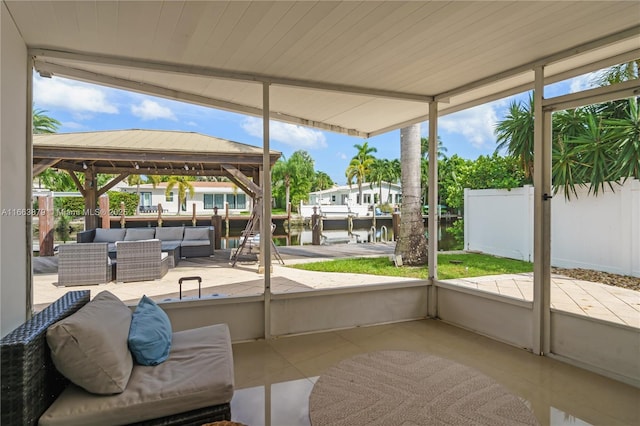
(150, 333)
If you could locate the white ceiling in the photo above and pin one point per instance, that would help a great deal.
(361, 68)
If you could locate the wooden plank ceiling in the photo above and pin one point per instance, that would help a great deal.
(360, 68)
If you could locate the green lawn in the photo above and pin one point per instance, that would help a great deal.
(449, 266)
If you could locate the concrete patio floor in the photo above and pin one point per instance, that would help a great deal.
(219, 279)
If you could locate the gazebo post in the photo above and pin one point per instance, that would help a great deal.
(90, 199)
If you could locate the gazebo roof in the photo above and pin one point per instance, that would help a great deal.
(148, 152)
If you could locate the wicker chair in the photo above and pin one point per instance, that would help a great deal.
(140, 261)
(30, 382)
(82, 264)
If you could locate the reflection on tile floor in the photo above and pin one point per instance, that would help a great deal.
(274, 378)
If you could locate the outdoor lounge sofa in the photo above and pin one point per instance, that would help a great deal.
(181, 241)
(192, 387)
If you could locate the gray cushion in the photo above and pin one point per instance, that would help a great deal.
(134, 234)
(173, 233)
(198, 373)
(90, 346)
(109, 235)
(196, 234)
(195, 243)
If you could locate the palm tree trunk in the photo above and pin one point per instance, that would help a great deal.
(411, 243)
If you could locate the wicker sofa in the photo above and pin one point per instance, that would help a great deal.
(182, 241)
(35, 392)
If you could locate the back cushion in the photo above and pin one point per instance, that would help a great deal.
(134, 234)
(173, 233)
(109, 235)
(90, 346)
(196, 234)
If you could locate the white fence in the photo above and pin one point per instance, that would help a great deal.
(601, 233)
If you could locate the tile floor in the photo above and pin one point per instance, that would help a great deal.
(594, 300)
(274, 378)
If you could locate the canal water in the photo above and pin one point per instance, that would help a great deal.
(335, 232)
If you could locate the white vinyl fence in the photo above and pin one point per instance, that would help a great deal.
(601, 233)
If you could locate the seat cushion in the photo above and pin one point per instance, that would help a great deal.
(109, 235)
(90, 346)
(196, 234)
(197, 374)
(134, 234)
(172, 233)
(150, 333)
(194, 243)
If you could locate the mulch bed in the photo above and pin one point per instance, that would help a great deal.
(624, 281)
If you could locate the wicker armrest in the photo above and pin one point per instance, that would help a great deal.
(86, 236)
(30, 382)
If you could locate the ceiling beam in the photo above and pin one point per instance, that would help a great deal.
(145, 88)
(175, 68)
(113, 182)
(627, 89)
(530, 66)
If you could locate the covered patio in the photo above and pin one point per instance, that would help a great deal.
(361, 69)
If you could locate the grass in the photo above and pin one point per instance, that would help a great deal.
(450, 265)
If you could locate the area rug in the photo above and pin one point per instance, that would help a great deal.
(411, 388)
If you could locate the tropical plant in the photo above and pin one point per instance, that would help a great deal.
(138, 180)
(515, 134)
(183, 183)
(360, 166)
(424, 148)
(294, 176)
(322, 181)
(411, 244)
(592, 146)
(42, 123)
(625, 134)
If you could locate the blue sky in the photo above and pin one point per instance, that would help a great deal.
(83, 107)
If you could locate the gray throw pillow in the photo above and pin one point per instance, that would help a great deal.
(137, 234)
(172, 233)
(90, 347)
(109, 235)
(196, 234)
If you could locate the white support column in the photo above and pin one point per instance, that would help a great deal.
(28, 167)
(434, 213)
(541, 219)
(265, 223)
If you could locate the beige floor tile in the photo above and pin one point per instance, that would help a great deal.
(558, 393)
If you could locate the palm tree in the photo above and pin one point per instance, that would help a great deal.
(360, 166)
(377, 174)
(515, 134)
(296, 175)
(138, 180)
(411, 243)
(184, 184)
(424, 148)
(322, 181)
(625, 134)
(42, 123)
(394, 173)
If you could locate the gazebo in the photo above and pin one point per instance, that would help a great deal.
(149, 152)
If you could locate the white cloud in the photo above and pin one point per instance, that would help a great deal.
(289, 134)
(71, 95)
(150, 110)
(341, 155)
(582, 82)
(475, 124)
(191, 123)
